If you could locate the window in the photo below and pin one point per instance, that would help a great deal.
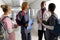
(1, 12)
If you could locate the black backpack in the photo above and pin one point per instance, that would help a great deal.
(2, 29)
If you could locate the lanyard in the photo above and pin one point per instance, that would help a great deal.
(42, 10)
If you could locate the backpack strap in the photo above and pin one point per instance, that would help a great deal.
(4, 18)
(19, 15)
(3, 22)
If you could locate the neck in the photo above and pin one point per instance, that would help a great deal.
(52, 13)
(6, 14)
(43, 8)
(25, 11)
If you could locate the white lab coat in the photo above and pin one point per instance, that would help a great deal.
(46, 15)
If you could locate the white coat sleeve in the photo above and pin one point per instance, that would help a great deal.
(39, 16)
(46, 15)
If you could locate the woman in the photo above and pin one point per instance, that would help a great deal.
(51, 22)
(8, 22)
(23, 20)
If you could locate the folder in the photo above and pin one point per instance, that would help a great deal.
(30, 24)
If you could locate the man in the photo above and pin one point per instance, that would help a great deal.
(42, 15)
(51, 26)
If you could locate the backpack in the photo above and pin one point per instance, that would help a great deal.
(2, 29)
(18, 20)
(53, 21)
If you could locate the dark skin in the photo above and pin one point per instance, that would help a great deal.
(38, 21)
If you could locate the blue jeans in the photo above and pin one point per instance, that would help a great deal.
(24, 34)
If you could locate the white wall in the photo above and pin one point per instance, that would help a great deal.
(1, 2)
(36, 6)
(1, 12)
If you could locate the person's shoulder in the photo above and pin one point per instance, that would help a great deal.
(19, 11)
(6, 19)
(46, 11)
(56, 15)
(52, 17)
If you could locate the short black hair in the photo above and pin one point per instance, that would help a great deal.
(51, 7)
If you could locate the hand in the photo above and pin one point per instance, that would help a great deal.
(38, 21)
(43, 24)
(26, 24)
(16, 26)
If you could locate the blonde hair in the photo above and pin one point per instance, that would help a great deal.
(5, 8)
(24, 5)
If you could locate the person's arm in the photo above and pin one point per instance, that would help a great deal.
(26, 23)
(48, 27)
(46, 15)
(49, 23)
(39, 17)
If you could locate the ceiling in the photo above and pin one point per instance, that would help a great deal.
(17, 3)
(12, 2)
(30, 1)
